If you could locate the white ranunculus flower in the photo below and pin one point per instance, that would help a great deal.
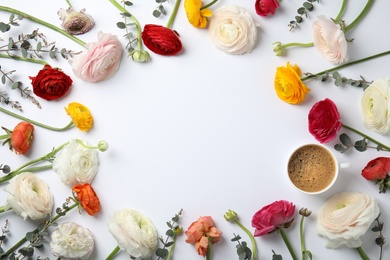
(29, 196)
(375, 105)
(72, 241)
(345, 217)
(330, 40)
(76, 163)
(233, 30)
(134, 233)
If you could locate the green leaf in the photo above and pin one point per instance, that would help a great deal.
(16, 85)
(361, 145)
(162, 252)
(308, 253)
(24, 53)
(169, 244)
(39, 46)
(52, 54)
(308, 6)
(3, 79)
(128, 3)
(170, 233)
(4, 27)
(121, 25)
(301, 10)
(345, 139)
(156, 13)
(298, 19)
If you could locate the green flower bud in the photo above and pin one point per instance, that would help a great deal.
(230, 215)
(103, 146)
(278, 48)
(305, 212)
(140, 56)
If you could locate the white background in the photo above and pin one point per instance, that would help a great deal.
(204, 130)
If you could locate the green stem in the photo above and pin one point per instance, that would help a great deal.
(4, 136)
(303, 246)
(172, 247)
(2, 209)
(287, 242)
(54, 219)
(342, 9)
(14, 57)
(298, 44)
(135, 21)
(42, 158)
(208, 255)
(367, 137)
(362, 254)
(68, 126)
(254, 249)
(360, 17)
(69, 4)
(209, 4)
(114, 252)
(346, 65)
(49, 25)
(173, 15)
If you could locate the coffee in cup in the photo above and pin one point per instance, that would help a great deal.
(312, 168)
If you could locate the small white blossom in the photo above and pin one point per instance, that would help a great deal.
(134, 233)
(72, 241)
(75, 22)
(76, 163)
(345, 217)
(29, 196)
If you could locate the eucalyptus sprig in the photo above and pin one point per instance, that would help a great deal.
(37, 236)
(303, 11)
(16, 85)
(360, 145)
(380, 240)
(4, 231)
(169, 242)
(243, 251)
(160, 10)
(5, 100)
(340, 81)
(12, 21)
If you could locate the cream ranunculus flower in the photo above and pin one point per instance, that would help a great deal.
(375, 105)
(76, 163)
(134, 232)
(29, 196)
(72, 241)
(345, 217)
(233, 30)
(330, 40)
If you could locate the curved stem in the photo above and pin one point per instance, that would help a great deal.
(68, 126)
(69, 4)
(54, 219)
(209, 4)
(298, 44)
(135, 21)
(4, 136)
(360, 16)
(173, 15)
(113, 253)
(342, 9)
(23, 59)
(208, 255)
(367, 137)
(303, 246)
(287, 242)
(49, 25)
(346, 65)
(172, 247)
(362, 253)
(42, 158)
(32, 169)
(254, 249)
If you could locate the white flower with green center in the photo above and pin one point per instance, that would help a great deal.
(345, 217)
(29, 196)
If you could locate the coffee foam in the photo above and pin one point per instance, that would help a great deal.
(311, 168)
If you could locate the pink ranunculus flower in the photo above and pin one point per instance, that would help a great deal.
(266, 7)
(324, 121)
(330, 40)
(100, 61)
(269, 218)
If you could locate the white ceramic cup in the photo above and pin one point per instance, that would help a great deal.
(313, 168)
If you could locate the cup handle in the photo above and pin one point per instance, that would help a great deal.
(344, 165)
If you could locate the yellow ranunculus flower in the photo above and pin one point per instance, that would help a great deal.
(288, 84)
(81, 116)
(196, 17)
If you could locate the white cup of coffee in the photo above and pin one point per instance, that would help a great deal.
(313, 168)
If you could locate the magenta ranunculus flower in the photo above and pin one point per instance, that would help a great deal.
(324, 121)
(269, 218)
(266, 7)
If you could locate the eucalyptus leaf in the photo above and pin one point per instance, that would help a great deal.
(3, 79)
(298, 19)
(162, 252)
(156, 13)
(121, 25)
(301, 10)
(345, 139)
(361, 145)
(308, 6)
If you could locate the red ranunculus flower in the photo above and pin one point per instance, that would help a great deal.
(22, 137)
(51, 83)
(88, 198)
(324, 121)
(266, 7)
(377, 169)
(161, 40)
(269, 218)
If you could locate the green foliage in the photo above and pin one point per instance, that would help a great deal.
(126, 25)
(360, 145)
(302, 12)
(243, 251)
(160, 10)
(380, 240)
(340, 81)
(5, 169)
(173, 230)
(276, 256)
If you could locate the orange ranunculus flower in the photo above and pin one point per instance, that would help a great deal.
(288, 84)
(201, 232)
(197, 17)
(81, 116)
(22, 137)
(87, 198)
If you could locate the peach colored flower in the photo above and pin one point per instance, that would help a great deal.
(88, 198)
(22, 137)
